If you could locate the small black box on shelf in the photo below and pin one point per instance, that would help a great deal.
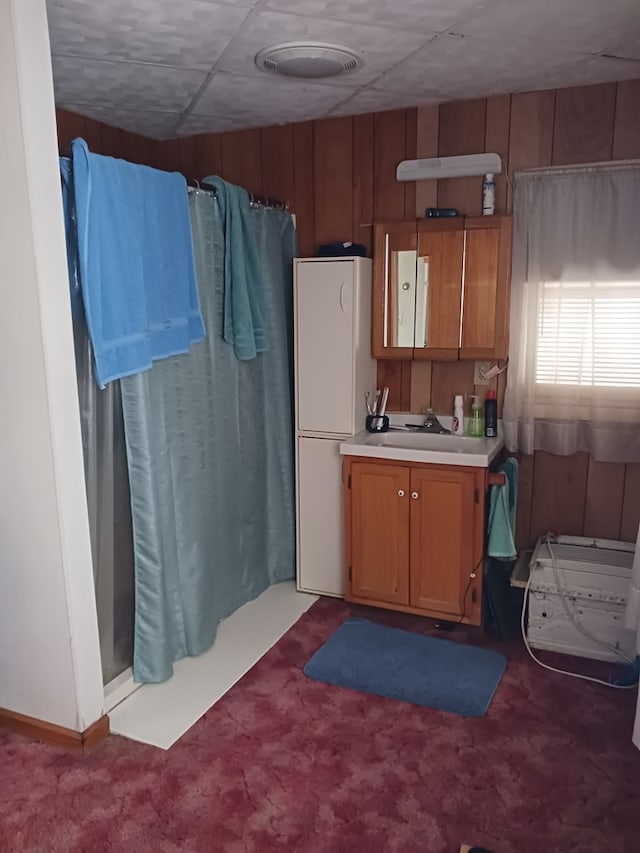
(440, 212)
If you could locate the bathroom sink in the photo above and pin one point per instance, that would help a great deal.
(416, 446)
(428, 441)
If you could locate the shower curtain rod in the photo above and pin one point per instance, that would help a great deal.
(256, 200)
(193, 183)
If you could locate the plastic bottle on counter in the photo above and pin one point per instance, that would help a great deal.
(491, 414)
(488, 195)
(457, 427)
(476, 421)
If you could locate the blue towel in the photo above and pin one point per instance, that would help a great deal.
(244, 311)
(502, 514)
(135, 256)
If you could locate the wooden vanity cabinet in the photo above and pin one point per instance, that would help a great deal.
(414, 537)
(441, 288)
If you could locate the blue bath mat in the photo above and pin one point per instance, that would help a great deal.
(410, 667)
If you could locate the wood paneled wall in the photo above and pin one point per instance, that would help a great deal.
(104, 139)
(577, 496)
(338, 175)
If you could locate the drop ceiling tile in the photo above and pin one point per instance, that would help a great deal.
(248, 4)
(379, 46)
(371, 100)
(194, 124)
(590, 26)
(594, 69)
(155, 125)
(266, 98)
(428, 16)
(629, 50)
(189, 34)
(456, 67)
(130, 45)
(124, 84)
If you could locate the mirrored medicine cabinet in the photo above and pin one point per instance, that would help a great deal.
(441, 288)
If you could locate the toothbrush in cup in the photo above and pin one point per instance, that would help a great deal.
(383, 404)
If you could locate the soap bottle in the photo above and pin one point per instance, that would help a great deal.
(491, 414)
(457, 427)
(488, 195)
(476, 421)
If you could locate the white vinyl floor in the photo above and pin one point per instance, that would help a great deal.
(159, 714)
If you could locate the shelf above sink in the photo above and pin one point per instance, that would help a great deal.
(424, 447)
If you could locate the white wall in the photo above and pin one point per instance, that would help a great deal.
(49, 649)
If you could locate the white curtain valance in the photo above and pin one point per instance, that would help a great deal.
(574, 360)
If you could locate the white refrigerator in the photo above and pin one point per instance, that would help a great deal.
(333, 369)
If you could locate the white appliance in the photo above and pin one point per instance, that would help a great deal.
(594, 577)
(333, 369)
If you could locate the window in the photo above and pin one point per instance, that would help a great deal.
(574, 360)
(589, 334)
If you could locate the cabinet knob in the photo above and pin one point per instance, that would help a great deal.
(415, 495)
(400, 493)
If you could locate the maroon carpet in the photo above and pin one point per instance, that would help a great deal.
(283, 763)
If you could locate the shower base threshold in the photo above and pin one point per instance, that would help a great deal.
(159, 714)
(119, 689)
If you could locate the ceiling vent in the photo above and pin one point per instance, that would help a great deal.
(309, 60)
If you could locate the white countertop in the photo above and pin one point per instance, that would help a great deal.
(423, 447)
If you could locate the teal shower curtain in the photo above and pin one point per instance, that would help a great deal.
(210, 453)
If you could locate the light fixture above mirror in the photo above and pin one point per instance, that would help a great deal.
(449, 167)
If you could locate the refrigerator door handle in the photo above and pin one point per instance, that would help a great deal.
(342, 286)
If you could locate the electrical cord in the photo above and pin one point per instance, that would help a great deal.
(574, 616)
(464, 599)
(446, 625)
(577, 624)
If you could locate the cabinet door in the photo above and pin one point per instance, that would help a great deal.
(394, 290)
(380, 532)
(439, 291)
(417, 289)
(442, 538)
(319, 533)
(324, 305)
(486, 288)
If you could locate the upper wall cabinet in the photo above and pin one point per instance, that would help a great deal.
(441, 288)
(487, 274)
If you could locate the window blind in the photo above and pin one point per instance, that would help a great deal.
(589, 335)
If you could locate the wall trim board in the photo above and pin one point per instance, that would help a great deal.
(50, 733)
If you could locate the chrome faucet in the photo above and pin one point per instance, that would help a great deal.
(433, 425)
